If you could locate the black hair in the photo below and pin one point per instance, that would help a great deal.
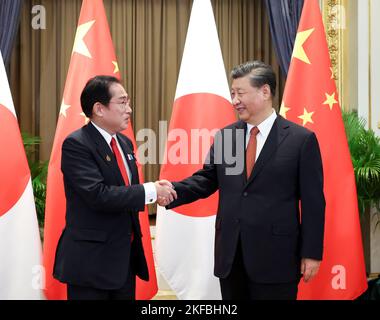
(96, 90)
(260, 74)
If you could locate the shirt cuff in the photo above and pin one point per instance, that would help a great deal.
(150, 192)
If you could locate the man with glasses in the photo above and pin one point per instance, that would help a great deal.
(100, 250)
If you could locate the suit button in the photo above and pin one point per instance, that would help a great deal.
(245, 194)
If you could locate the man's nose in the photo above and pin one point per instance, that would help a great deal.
(235, 101)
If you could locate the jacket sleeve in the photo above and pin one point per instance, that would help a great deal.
(201, 184)
(82, 175)
(312, 199)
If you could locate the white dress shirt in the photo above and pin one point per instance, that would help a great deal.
(149, 187)
(264, 129)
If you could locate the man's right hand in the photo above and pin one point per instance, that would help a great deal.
(165, 192)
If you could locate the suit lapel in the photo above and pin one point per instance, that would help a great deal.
(104, 151)
(131, 160)
(276, 136)
(241, 125)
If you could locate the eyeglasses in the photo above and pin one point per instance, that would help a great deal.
(122, 104)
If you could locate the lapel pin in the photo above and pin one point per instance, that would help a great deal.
(108, 158)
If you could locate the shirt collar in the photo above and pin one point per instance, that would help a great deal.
(265, 126)
(105, 134)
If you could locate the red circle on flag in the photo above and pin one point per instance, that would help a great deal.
(198, 111)
(14, 170)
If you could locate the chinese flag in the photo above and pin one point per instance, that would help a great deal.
(311, 99)
(93, 54)
(185, 235)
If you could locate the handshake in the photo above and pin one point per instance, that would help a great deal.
(165, 192)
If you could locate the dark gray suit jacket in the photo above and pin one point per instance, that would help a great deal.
(95, 248)
(264, 210)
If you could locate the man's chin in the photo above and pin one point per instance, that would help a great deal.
(242, 117)
(123, 127)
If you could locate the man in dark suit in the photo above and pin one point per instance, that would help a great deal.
(100, 250)
(262, 243)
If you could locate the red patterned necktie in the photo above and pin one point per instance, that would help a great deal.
(121, 165)
(120, 161)
(251, 150)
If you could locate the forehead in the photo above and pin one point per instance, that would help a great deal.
(117, 90)
(241, 83)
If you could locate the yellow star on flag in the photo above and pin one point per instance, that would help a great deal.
(298, 51)
(283, 110)
(86, 120)
(306, 117)
(116, 70)
(64, 108)
(330, 100)
(79, 44)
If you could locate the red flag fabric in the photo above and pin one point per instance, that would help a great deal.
(311, 99)
(93, 54)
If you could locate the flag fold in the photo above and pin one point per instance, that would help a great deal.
(21, 272)
(311, 99)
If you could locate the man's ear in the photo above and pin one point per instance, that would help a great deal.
(97, 109)
(266, 91)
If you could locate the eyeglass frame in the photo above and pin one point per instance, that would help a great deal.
(122, 104)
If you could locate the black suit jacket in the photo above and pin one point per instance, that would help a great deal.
(95, 248)
(264, 210)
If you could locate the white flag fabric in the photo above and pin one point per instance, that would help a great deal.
(185, 235)
(21, 273)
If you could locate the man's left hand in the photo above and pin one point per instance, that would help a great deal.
(309, 268)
